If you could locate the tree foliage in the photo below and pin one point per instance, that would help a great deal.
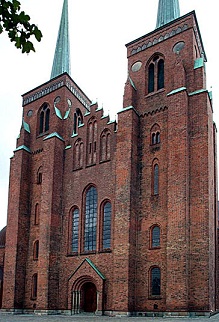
(17, 24)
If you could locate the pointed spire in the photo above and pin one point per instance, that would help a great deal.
(61, 61)
(168, 10)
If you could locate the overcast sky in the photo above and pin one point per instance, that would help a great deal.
(99, 30)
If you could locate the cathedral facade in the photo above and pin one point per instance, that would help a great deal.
(118, 217)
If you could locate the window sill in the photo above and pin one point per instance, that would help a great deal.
(155, 147)
(155, 92)
(105, 251)
(155, 297)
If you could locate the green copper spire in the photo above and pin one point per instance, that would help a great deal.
(61, 61)
(168, 10)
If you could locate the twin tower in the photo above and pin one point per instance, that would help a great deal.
(118, 218)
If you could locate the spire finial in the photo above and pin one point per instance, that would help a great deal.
(61, 61)
(168, 10)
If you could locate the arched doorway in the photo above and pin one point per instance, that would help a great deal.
(89, 297)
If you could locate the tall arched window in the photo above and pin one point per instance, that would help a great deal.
(90, 219)
(34, 287)
(156, 179)
(156, 74)
(155, 281)
(155, 236)
(75, 229)
(44, 119)
(151, 78)
(36, 250)
(160, 74)
(106, 233)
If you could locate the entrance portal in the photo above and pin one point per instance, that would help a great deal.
(89, 297)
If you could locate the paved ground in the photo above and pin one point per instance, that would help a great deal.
(81, 318)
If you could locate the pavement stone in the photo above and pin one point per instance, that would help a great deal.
(92, 318)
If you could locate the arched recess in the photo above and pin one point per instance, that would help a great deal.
(43, 119)
(155, 135)
(86, 289)
(105, 145)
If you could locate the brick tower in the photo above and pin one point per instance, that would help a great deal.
(117, 218)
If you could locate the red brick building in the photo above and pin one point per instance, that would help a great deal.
(118, 218)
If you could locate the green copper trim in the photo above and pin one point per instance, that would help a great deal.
(95, 268)
(22, 147)
(26, 126)
(199, 62)
(53, 135)
(61, 61)
(168, 10)
(58, 112)
(67, 114)
(68, 147)
(178, 90)
(199, 91)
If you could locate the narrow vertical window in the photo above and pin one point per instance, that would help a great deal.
(39, 175)
(34, 287)
(36, 250)
(160, 74)
(44, 119)
(151, 78)
(47, 119)
(41, 122)
(106, 238)
(155, 237)
(75, 226)
(36, 214)
(155, 281)
(156, 179)
(90, 220)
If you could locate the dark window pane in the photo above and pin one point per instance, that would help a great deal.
(156, 237)
(151, 78)
(156, 179)
(75, 225)
(41, 122)
(155, 281)
(160, 74)
(107, 225)
(90, 222)
(47, 120)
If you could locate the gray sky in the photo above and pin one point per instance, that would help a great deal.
(99, 30)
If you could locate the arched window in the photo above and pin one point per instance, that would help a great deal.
(34, 287)
(37, 215)
(39, 175)
(36, 250)
(92, 142)
(75, 229)
(44, 119)
(156, 179)
(106, 233)
(155, 237)
(155, 134)
(78, 119)
(90, 219)
(156, 74)
(155, 281)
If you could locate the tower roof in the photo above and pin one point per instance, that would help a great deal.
(61, 61)
(168, 10)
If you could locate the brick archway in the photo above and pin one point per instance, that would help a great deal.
(86, 279)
